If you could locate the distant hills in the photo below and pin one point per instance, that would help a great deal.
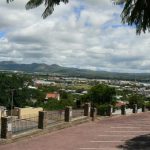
(74, 72)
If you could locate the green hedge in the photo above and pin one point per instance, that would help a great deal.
(103, 110)
(147, 105)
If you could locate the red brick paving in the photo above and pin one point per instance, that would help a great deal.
(107, 134)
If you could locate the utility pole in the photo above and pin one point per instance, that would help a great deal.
(12, 101)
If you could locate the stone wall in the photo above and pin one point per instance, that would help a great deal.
(23, 113)
(29, 111)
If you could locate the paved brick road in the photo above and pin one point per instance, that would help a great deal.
(124, 132)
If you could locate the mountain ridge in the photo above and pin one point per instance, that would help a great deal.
(57, 69)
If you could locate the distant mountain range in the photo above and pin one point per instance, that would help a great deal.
(74, 72)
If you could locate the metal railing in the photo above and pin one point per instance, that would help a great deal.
(77, 113)
(30, 122)
(54, 117)
(0, 128)
(27, 123)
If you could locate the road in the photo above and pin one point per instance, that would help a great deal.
(122, 132)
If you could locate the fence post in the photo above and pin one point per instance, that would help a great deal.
(143, 108)
(135, 108)
(68, 114)
(42, 123)
(109, 113)
(113, 109)
(6, 127)
(87, 109)
(123, 110)
(93, 113)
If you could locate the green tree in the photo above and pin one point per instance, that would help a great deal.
(63, 95)
(52, 104)
(136, 99)
(22, 96)
(101, 94)
(7, 84)
(85, 98)
(137, 13)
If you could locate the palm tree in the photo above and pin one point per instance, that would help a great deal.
(136, 13)
(49, 4)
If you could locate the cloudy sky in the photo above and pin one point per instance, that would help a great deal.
(83, 34)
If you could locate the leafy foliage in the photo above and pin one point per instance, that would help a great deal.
(137, 12)
(103, 109)
(147, 105)
(102, 94)
(136, 99)
(13, 86)
(54, 104)
(48, 89)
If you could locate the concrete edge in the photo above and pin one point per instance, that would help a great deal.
(117, 116)
(50, 129)
(60, 126)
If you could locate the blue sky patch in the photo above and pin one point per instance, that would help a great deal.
(77, 10)
(87, 24)
(2, 34)
(119, 25)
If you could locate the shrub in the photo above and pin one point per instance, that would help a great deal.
(147, 105)
(102, 110)
(136, 99)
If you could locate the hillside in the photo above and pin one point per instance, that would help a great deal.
(56, 69)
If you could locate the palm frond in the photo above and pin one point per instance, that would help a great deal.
(33, 4)
(8, 1)
(118, 2)
(49, 4)
(137, 12)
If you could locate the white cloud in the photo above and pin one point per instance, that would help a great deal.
(84, 34)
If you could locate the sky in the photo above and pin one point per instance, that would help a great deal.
(83, 34)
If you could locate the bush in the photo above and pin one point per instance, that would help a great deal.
(102, 94)
(136, 99)
(54, 104)
(102, 110)
(147, 105)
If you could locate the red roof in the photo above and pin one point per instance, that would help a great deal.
(52, 95)
(120, 103)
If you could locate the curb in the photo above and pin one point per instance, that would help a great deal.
(50, 129)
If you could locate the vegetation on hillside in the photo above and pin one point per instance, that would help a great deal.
(14, 91)
(73, 72)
